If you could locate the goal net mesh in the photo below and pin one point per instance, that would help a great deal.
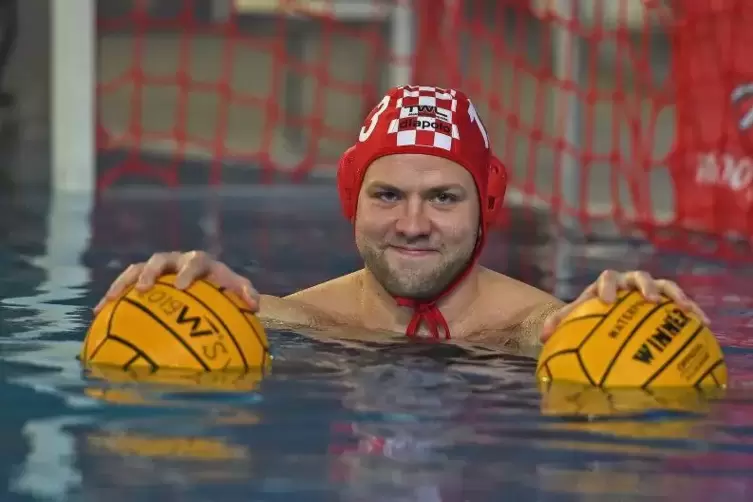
(614, 114)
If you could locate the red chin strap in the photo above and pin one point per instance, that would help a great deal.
(426, 312)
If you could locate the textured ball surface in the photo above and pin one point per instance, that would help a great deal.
(199, 328)
(633, 343)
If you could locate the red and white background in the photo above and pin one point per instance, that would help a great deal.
(626, 116)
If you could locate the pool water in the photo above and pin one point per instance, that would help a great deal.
(393, 421)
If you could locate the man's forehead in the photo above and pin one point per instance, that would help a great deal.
(408, 167)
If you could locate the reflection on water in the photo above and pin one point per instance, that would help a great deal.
(393, 421)
(394, 428)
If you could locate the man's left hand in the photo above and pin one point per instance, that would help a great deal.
(610, 282)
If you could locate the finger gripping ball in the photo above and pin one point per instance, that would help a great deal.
(633, 343)
(201, 327)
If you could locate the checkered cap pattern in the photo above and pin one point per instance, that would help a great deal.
(425, 117)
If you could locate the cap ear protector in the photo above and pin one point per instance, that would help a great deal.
(347, 185)
(495, 189)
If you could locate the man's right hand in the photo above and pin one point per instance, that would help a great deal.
(188, 268)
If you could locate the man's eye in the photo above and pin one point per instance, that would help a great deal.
(386, 196)
(445, 198)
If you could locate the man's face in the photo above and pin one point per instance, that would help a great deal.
(417, 223)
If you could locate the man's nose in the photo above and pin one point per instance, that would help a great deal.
(413, 222)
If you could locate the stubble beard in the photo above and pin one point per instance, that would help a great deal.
(420, 282)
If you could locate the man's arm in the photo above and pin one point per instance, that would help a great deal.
(530, 327)
(289, 313)
(522, 332)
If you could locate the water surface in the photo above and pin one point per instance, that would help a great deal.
(388, 422)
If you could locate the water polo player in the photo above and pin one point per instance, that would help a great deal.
(421, 187)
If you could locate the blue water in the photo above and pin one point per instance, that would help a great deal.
(390, 422)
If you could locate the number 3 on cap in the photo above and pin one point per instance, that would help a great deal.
(366, 131)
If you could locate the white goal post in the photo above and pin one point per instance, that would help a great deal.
(73, 95)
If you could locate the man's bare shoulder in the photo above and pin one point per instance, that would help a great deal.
(291, 314)
(328, 304)
(335, 296)
(512, 308)
(502, 293)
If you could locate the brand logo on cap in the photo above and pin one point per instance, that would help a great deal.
(425, 117)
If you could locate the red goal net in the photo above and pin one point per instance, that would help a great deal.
(632, 113)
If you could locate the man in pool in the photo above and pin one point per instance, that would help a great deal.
(421, 187)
